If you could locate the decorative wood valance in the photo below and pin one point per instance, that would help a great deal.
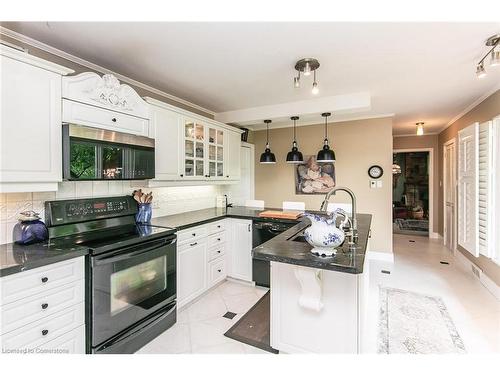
(105, 92)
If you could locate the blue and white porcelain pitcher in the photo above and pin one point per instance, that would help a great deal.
(323, 234)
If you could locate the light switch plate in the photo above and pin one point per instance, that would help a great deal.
(373, 184)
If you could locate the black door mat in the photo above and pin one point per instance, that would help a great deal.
(254, 328)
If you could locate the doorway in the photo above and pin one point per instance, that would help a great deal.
(412, 192)
(449, 195)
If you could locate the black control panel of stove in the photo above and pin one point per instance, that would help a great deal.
(80, 210)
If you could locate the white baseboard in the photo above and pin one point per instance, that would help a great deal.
(381, 256)
(434, 235)
(489, 284)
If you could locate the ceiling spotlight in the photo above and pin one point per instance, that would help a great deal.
(306, 67)
(480, 72)
(495, 58)
(315, 89)
(493, 42)
(296, 82)
(420, 128)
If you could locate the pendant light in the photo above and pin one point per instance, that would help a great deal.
(294, 156)
(325, 155)
(267, 157)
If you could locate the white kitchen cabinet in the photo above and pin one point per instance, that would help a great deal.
(165, 128)
(239, 249)
(233, 156)
(31, 122)
(191, 271)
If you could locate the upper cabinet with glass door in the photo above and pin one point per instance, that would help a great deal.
(215, 153)
(194, 150)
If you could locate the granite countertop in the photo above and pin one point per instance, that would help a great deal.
(281, 249)
(193, 218)
(16, 258)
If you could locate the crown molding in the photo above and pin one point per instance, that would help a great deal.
(471, 106)
(77, 60)
(413, 135)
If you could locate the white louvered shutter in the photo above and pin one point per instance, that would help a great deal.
(485, 192)
(495, 176)
(468, 182)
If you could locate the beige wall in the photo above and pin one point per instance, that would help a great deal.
(80, 69)
(485, 111)
(425, 141)
(357, 145)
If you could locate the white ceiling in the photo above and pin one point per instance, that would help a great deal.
(416, 71)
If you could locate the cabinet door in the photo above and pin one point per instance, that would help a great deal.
(166, 129)
(191, 272)
(240, 249)
(216, 153)
(31, 123)
(233, 159)
(194, 153)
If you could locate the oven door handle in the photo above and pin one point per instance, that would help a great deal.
(127, 254)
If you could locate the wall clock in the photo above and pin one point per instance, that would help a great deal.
(375, 171)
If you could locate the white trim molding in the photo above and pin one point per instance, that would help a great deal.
(382, 256)
(77, 60)
(477, 272)
(431, 181)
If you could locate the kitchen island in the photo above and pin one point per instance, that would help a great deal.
(317, 304)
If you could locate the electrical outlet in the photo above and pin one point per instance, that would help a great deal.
(155, 204)
(379, 184)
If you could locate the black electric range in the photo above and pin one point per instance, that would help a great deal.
(130, 273)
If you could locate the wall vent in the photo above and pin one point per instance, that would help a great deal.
(476, 271)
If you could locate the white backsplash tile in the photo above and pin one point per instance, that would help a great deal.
(167, 200)
(84, 189)
(101, 188)
(66, 190)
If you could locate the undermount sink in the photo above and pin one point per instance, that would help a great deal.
(299, 237)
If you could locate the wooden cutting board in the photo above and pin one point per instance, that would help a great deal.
(292, 215)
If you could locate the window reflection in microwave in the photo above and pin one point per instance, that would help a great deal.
(136, 284)
(112, 162)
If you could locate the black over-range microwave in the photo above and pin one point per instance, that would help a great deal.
(96, 154)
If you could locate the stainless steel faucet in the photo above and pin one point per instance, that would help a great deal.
(324, 206)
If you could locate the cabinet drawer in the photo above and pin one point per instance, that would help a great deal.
(28, 283)
(216, 239)
(216, 227)
(30, 309)
(84, 114)
(72, 342)
(44, 330)
(216, 271)
(192, 234)
(216, 252)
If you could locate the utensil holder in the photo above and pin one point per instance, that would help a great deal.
(143, 215)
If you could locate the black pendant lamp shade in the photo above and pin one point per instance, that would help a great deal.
(294, 156)
(267, 157)
(325, 155)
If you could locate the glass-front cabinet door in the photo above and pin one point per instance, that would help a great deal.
(194, 149)
(215, 153)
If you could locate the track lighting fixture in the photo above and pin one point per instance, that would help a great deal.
(493, 42)
(306, 67)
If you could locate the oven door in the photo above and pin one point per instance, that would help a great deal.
(130, 284)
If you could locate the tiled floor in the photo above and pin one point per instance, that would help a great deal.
(417, 267)
(200, 327)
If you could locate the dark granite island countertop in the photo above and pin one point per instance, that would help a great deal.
(283, 249)
(16, 258)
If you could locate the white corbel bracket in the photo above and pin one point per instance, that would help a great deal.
(311, 285)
